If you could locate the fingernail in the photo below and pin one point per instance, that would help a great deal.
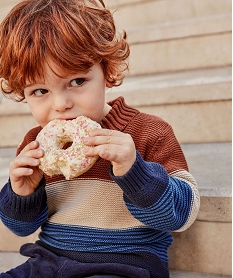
(86, 150)
(40, 152)
(34, 143)
(30, 171)
(85, 139)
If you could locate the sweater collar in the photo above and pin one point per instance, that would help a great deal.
(119, 116)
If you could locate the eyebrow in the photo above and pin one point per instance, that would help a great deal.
(33, 84)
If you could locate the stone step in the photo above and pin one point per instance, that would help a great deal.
(189, 53)
(174, 30)
(130, 14)
(15, 121)
(196, 36)
(188, 274)
(194, 249)
(180, 54)
(135, 13)
(187, 100)
(10, 260)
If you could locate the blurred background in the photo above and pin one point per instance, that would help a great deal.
(180, 67)
(180, 70)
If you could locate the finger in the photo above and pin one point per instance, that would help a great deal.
(121, 164)
(24, 161)
(35, 153)
(108, 137)
(99, 140)
(105, 132)
(111, 156)
(20, 172)
(108, 151)
(31, 146)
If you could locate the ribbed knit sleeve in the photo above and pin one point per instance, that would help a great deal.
(144, 184)
(23, 215)
(157, 200)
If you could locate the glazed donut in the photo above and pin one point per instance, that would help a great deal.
(71, 162)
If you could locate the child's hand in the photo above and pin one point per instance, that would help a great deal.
(24, 172)
(115, 146)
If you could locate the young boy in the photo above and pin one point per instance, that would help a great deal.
(115, 219)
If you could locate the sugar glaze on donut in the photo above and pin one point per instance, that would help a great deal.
(70, 162)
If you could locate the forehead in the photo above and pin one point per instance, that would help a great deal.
(53, 71)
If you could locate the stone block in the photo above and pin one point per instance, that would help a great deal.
(11, 107)
(220, 23)
(6, 6)
(11, 243)
(14, 128)
(173, 88)
(204, 247)
(178, 55)
(211, 165)
(9, 260)
(215, 209)
(134, 13)
(188, 274)
(197, 122)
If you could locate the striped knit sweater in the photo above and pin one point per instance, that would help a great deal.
(98, 217)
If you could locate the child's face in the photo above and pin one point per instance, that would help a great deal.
(68, 98)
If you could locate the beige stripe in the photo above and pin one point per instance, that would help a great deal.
(92, 203)
(188, 178)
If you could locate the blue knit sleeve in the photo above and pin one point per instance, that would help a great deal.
(23, 215)
(157, 199)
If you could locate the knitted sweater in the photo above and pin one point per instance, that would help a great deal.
(98, 217)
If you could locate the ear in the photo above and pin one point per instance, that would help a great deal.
(112, 79)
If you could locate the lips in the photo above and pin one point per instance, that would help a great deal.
(66, 119)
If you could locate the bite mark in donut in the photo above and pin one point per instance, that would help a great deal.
(69, 161)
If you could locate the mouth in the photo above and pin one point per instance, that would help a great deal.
(66, 119)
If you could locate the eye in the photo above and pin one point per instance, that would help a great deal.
(40, 92)
(77, 82)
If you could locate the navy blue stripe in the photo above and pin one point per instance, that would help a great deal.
(22, 228)
(85, 239)
(171, 211)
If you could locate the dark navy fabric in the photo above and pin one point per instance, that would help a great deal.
(44, 264)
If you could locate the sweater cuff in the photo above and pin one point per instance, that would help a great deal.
(144, 183)
(23, 208)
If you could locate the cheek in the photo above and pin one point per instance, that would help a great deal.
(97, 96)
(38, 112)
(40, 118)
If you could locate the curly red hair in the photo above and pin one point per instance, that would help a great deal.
(75, 34)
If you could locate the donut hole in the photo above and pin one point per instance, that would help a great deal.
(67, 145)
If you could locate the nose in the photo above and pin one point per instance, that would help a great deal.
(62, 101)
